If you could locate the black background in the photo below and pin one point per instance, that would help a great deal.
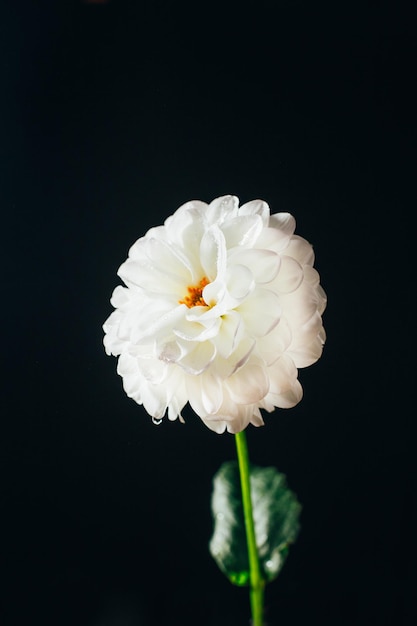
(114, 114)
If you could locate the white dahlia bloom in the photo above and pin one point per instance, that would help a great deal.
(221, 306)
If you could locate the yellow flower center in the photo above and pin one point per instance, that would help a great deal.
(195, 294)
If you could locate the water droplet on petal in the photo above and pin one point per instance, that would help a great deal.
(156, 421)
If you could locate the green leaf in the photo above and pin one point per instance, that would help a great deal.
(275, 511)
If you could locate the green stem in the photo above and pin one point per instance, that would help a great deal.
(256, 582)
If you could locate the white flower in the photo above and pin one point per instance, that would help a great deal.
(221, 306)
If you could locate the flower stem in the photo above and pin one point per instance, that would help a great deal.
(256, 582)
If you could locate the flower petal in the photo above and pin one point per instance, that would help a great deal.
(217, 425)
(205, 393)
(120, 297)
(242, 231)
(283, 374)
(287, 399)
(306, 356)
(170, 352)
(290, 275)
(198, 359)
(261, 312)
(213, 253)
(249, 385)
(264, 264)
(193, 331)
(225, 367)
(158, 328)
(300, 250)
(169, 259)
(144, 275)
(152, 370)
(154, 400)
(256, 207)
(222, 208)
(284, 222)
(274, 344)
(228, 334)
(240, 282)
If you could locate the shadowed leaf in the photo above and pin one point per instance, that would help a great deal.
(275, 512)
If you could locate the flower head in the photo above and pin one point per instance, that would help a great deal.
(221, 306)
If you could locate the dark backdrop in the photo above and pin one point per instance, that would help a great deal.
(114, 114)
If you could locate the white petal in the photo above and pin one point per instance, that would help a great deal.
(154, 400)
(306, 356)
(211, 392)
(112, 322)
(299, 305)
(290, 275)
(301, 250)
(284, 222)
(274, 344)
(264, 264)
(228, 336)
(187, 206)
(175, 407)
(140, 314)
(242, 231)
(161, 327)
(177, 396)
(137, 250)
(157, 232)
(279, 233)
(236, 426)
(189, 214)
(239, 419)
(217, 425)
(170, 352)
(225, 367)
(186, 228)
(193, 331)
(306, 333)
(204, 396)
(282, 374)
(169, 259)
(240, 282)
(131, 378)
(229, 414)
(250, 415)
(322, 299)
(213, 253)
(112, 344)
(198, 360)
(256, 419)
(132, 386)
(249, 385)
(120, 297)
(153, 370)
(127, 365)
(225, 207)
(287, 399)
(311, 276)
(256, 207)
(213, 292)
(144, 275)
(261, 312)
